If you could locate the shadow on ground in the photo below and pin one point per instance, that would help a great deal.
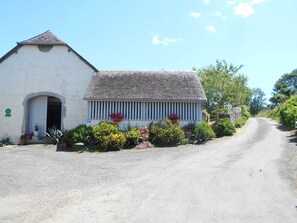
(61, 148)
(292, 134)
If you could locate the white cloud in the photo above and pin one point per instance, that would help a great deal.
(219, 14)
(244, 9)
(256, 2)
(210, 29)
(165, 41)
(195, 14)
(155, 40)
(206, 1)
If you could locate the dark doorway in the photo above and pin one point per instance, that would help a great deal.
(54, 109)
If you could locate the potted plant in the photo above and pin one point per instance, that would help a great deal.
(28, 135)
(116, 117)
(66, 139)
(22, 140)
(36, 129)
(173, 117)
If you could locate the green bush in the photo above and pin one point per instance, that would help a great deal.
(132, 137)
(105, 128)
(108, 136)
(113, 142)
(245, 110)
(225, 128)
(240, 122)
(80, 134)
(270, 113)
(166, 133)
(203, 132)
(288, 112)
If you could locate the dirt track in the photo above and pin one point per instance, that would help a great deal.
(239, 179)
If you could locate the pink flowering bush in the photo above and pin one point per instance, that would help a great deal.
(144, 145)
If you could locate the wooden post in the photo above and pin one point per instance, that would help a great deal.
(217, 113)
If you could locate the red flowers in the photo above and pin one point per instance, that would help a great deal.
(173, 116)
(116, 115)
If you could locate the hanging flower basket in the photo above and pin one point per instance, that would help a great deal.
(116, 117)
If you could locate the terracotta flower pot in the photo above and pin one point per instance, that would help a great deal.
(22, 142)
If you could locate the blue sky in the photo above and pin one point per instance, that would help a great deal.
(165, 34)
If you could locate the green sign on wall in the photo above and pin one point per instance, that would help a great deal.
(7, 112)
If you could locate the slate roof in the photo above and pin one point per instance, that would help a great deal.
(46, 38)
(145, 86)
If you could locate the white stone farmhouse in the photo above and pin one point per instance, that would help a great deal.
(46, 82)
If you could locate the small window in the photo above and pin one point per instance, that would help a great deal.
(45, 48)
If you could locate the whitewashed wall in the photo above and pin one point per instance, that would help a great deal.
(28, 71)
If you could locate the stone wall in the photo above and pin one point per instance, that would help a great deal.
(233, 114)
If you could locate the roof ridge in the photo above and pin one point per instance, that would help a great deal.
(47, 38)
(34, 37)
(148, 71)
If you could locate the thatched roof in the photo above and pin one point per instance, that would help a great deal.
(145, 86)
(46, 38)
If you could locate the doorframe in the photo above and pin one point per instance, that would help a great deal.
(25, 124)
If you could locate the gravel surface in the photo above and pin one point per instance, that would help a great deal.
(246, 178)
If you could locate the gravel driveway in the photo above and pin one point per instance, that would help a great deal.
(245, 178)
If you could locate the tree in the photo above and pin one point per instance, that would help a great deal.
(284, 88)
(224, 85)
(258, 101)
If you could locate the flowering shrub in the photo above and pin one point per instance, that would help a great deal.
(113, 142)
(173, 116)
(105, 128)
(145, 134)
(165, 133)
(108, 136)
(116, 115)
(132, 137)
(144, 145)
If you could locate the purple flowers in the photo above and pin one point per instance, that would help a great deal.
(116, 115)
(29, 135)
